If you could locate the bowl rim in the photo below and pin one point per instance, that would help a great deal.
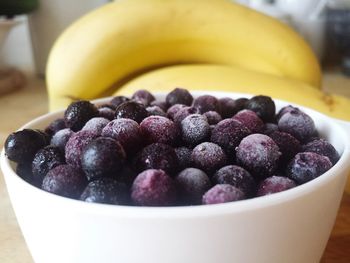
(251, 204)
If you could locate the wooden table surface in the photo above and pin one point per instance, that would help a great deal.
(21, 106)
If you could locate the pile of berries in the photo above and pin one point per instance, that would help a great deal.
(180, 151)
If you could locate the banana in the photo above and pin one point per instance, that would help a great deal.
(225, 78)
(125, 38)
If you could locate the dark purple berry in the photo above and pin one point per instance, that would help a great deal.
(322, 147)
(179, 96)
(106, 105)
(102, 157)
(228, 134)
(171, 112)
(298, 124)
(222, 193)
(237, 177)
(206, 103)
(195, 129)
(157, 156)
(44, 160)
(192, 183)
(65, 180)
(21, 146)
(95, 125)
(78, 113)
(306, 166)
(228, 107)
(288, 145)
(24, 170)
(241, 104)
(269, 128)
(127, 132)
(75, 145)
(61, 138)
(106, 113)
(284, 110)
(250, 119)
(153, 188)
(213, 117)
(117, 100)
(160, 104)
(208, 157)
(184, 156)
(55, 126)
(126, 175)
(155, 111)
(183, 113)
(106, 191)
(275, 184)
(159, 129)
(263, 106)
(259, 154)
(131, 110)
(143, 96)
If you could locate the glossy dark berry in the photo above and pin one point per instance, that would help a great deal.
(259, 154)
(157, 156)
(55, 126)
(228, 107)
(322, 147)
(306, 166)
(60, 138)
(250, 119)
(78, 113)
(289, 146)
(171, 112)
(156, 111)
(24, 170)
(153, 188)
(179, 96)
(206, 103)
(106, 113)
(65, 180)
(222, 193)
(184, 156)
(21, 146)
(228, 134)
(183, 113)
(102, 157)
(213, 117)
(127, 132)
(143, 96)
(298, 124)
(269, 128)
(284, 110)
(106, 191)
(46, 159)
(263, 106)
(275, 184)
(117, 100)
(95, 125)
(192, 183)
(208, 157)
(241, 104)
(159, 129)
(75, 145)
(161, 104)
(236, 176)
(131, 110)
(195, 129)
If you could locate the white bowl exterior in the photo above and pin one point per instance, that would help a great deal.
(292, 226)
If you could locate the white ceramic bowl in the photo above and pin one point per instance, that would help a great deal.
(291, 226)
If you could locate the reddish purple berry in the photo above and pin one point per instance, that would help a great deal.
(206, 103)
(131, 110)
(289, 146)
(208, 157)
(143, 96)
(322, 147)
(184, 156)
(222, 193)
(275, 184)
(250, 119)
(263, 106)
(195, 129)
(78, 113)
(213, 117)
(179, 96)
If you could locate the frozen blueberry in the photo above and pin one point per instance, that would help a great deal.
(306, 166)
(195, 129)
(127, 132)
(143, 96)
(106, 105)
(126, 175)
(275, 184)
(153, 188)
(156, 111)
(298, 124)
(60, 138)
(269, 128)
(322, 147)
(106, 191)
(222, 193)
(159, 129)
(55, 126)
(21, 146)
(117, 100)
(263, 106)
(157, 156)
(106, 112)
(228, 107)
(241, 104)
(250, 119)
(228, 134)
(183, 113)
(65, 180)
(208, 157)
(237, 177)
(284, 110)
(288, 145)
(78, 113)
(131, 110)
(259, 154)
(179, 96)
(24, 170)
(96, 124)
(213, 117)
(102, 157)
(192, 183)
(184, 156)
(44, 160)
(75, 145)
(206, 103)
(161, 104)
(171, 112)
